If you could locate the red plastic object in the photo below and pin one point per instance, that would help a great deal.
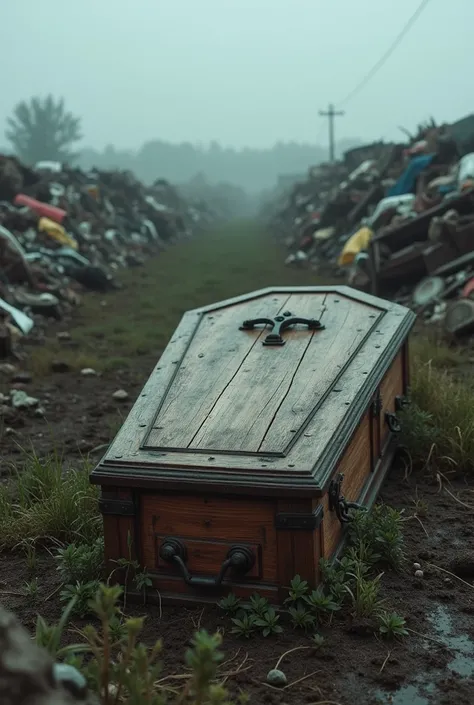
(42, 210)
(468, 289)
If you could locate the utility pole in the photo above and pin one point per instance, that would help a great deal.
(331, 114)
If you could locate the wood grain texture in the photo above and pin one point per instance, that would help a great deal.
(356, 467)
(311, 459)
(320, 368)
(244, 413)
(210, 519)
(206, 557)
(117, 530)
(299, 550)
(218, 352)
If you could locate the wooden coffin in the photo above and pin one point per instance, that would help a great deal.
(265, 416)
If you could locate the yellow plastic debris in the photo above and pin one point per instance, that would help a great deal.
(56, 232)
(358, 242)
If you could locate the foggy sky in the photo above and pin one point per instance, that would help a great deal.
(242, 72)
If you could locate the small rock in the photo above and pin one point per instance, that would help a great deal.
(21, 400)
(60, 366)
(120, 395)
(276, 678)
(416, 566)
(23, 377)
(419, 574)
(40, 412)
(63, 336)
(7, 369)
(88, 372)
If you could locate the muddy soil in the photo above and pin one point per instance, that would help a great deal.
(433, 665)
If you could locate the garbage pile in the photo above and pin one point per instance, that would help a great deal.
(63, 231)
(395, 220)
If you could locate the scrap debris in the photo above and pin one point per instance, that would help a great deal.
(395, 220)
(64, 231)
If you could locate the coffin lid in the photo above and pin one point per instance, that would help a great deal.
(224, 412)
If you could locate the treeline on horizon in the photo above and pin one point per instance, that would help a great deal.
(253, 170)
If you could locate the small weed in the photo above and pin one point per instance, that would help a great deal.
(320, 603)
(301, 618)
(230, 604)
(143, 580)
(363, 553)
(49, 636)
(119, 668)
(258, 605)
(82, 594)
(318, 641)
(392, 625)
(244, 624)
(298, 589)
(365, 596)
(81, 562)
(31, 589)
(30, 555)
(377, 536)
(268, 622)
(420, 506)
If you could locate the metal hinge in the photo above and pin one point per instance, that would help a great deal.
(401, 402)
(338, 503)
(118, 507)
(295, 522)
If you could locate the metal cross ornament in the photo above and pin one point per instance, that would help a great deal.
(279, 324)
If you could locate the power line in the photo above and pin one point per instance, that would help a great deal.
(423, 4)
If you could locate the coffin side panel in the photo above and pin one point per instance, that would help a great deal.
(299, 551)
(208, 526)
(356, 465)
(120, 537)
(393, 385)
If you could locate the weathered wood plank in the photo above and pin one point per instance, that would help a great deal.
(243, 413)
(215, 355)
(327, 355)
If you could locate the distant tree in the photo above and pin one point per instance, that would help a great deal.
(43, 129)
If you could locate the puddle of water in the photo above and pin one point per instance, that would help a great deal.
(407, 695)
(462, 645)
(462, 662)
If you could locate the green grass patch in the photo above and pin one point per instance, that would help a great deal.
(139, 319)
(439, 425)
(43, 503)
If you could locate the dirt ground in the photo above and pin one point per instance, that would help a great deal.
(433, 665)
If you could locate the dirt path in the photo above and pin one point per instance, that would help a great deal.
(120, 336)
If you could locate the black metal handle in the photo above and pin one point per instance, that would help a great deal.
(239, 558)
(393, 422)
(279, 324)
(338, 503)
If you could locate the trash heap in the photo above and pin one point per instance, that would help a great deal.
(395, 220)
(64, 231)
